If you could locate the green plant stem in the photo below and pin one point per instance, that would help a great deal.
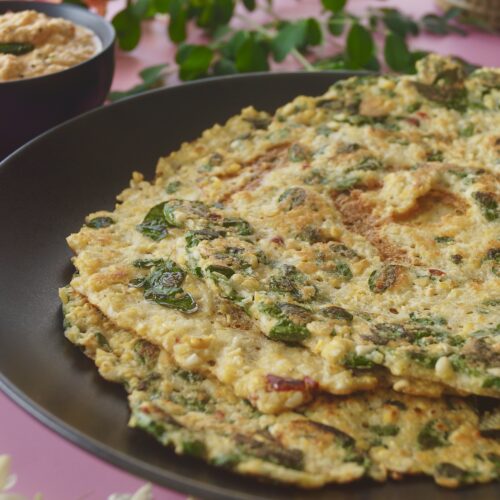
(302, 60)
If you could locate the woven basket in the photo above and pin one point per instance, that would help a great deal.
(487, 11)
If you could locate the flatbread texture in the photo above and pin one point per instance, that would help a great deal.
(347, 244)
(333, 440)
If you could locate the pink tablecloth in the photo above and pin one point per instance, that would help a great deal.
(46, 463)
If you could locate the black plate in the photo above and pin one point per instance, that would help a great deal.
(46, 189)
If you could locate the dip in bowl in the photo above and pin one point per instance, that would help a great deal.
(56, 61)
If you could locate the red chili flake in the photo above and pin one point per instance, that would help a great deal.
(311, 384)
(422, 114)
(393, 310)
(306, 166)
(436, 272)
(278, 240)
(413, 121)
(281, 384)
(219, 415)
(213, 216)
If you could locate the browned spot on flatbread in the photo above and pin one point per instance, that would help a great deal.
(432, 207)
(357, 215)
(233, 316)
(257, 168)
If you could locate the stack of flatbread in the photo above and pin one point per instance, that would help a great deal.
(313, 296)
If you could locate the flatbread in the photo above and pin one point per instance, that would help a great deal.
(337, 440)
(355, 230)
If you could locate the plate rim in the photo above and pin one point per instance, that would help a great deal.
(194, 83)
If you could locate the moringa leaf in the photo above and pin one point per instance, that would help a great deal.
(194, 448)
(141, 8)
(385, 430)
(487, 204)
(250, 4)
(292, 197)
(173, 187)
(314, 34)
(230, 49)
(398, 23)
(177, 299)
(224, 67)
(447, 90)
(291, 36)
(287, 331)
(440, 25)
(241, 226)
(193, 238)
(396, 53)
(336, 23)
(430, 436)
(102, 342)
(214, 13)
(357, 362)
(178, 20)
(194, 61)
(152, 77)
(296, 35)
(359, 47)
(128, 29)
(342, 270)
(163, 285)
(154, 225)
(225, 271)
(382, 279)
(334, 5)
(336, 312)
(252, 55)
(16, 48)
(147, 263)
(161, 6)
(99, 222)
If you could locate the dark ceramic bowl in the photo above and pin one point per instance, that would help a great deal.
(33, 105)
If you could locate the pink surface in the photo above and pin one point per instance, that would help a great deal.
(46, 463)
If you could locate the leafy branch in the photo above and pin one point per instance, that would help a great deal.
(236, 43)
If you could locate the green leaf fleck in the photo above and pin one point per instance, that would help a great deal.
(100, 222)
(355, 361)
(287, 331)
(383, 279)
(488, 204)
(431, 437)
(16, 48)
(154, 225)
(194, 448)
(173, 187)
